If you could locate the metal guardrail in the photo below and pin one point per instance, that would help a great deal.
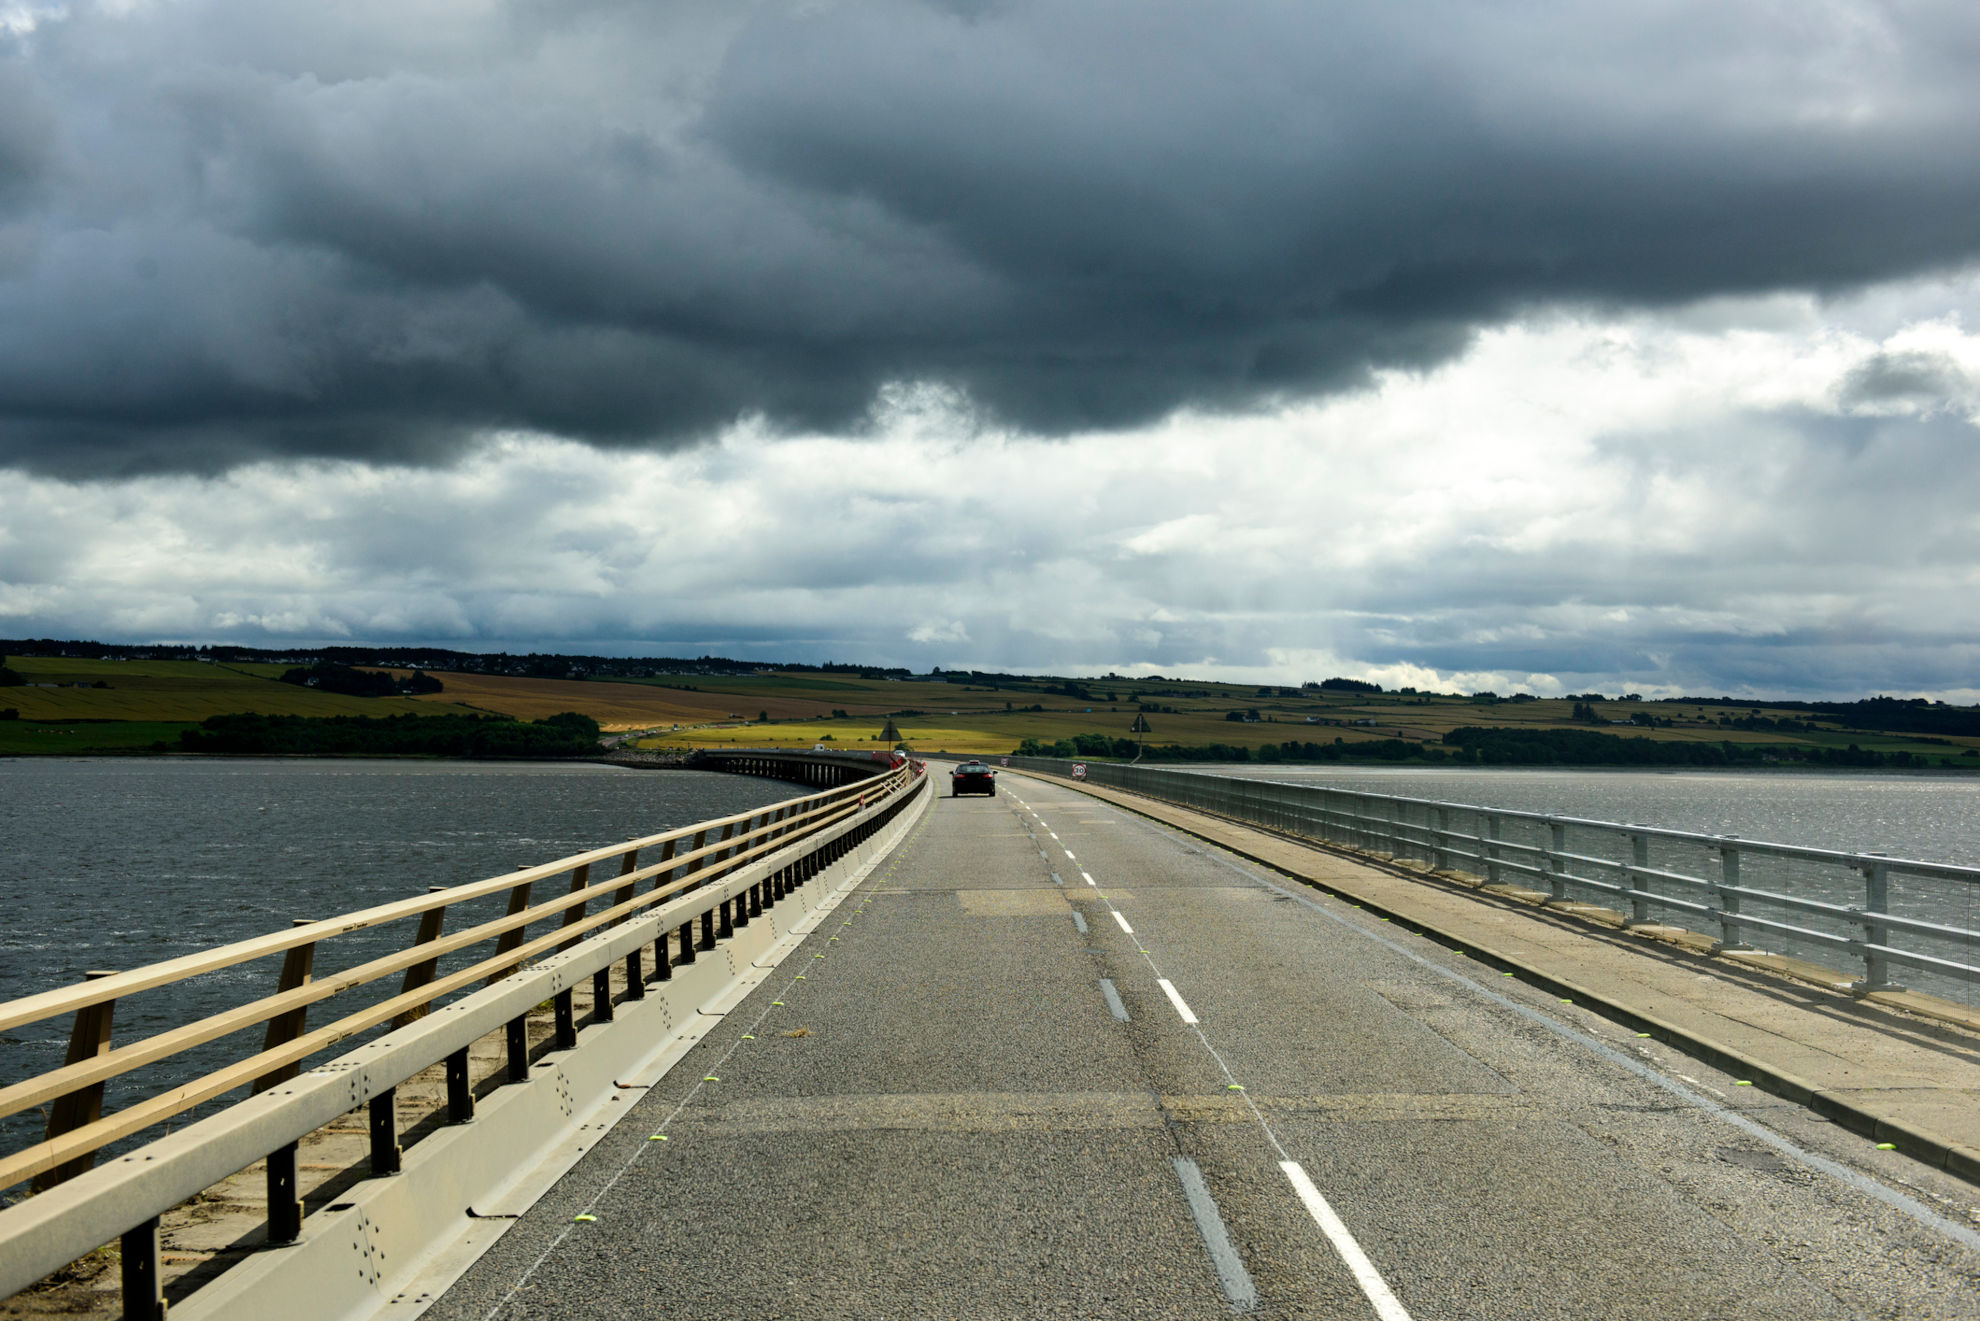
(1875, 911)
(714, 875)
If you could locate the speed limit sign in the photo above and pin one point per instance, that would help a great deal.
(1079, 770)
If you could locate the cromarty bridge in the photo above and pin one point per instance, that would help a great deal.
(1082, 1048)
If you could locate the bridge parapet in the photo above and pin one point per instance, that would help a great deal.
(1830, 907)
(718, 888)
(825, 768)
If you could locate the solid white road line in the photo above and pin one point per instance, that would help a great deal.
(1124, 926)
(1168, 989)
(1371, 1281)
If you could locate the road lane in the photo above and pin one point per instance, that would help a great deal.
(1175, 1090)
(1489, 1169)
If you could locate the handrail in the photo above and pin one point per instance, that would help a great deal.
(739, 875)
(1485, 842)
(718, 850)
(68, 999)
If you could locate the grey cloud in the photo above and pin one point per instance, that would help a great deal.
(1921, 379)
(286, 229)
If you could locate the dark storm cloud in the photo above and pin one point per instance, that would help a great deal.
(230, 230)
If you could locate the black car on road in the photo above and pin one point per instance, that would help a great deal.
(972, 777)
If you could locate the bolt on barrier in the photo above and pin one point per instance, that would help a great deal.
(717, 873)
(1877, 912)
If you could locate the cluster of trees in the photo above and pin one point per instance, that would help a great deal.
(1344, 686)
(1757, 723)
(566, 735)
(9, 677)
(332, 677)
(1584, 747)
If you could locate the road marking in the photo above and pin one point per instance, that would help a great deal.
(1175, 998)
(1123, 921)
(1079, 923)
(1649, 1073)
(1053, 833)
(1056, 879)
(1232, 1277)
(1113, 998)
(1069, 852)
(1089, 879)
(1371, 1281)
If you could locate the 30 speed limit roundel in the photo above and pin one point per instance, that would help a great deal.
(1079, 770)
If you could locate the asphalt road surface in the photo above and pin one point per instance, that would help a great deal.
(1054, 1060)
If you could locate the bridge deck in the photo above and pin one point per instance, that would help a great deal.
(982, 1101)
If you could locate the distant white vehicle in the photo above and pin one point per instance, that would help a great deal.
(819, 747)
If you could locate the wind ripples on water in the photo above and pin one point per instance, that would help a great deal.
(111, 863)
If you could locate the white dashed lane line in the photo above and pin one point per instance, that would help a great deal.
(1232, 1277)
(1175, 996)
(1123, 921)
(1088, 876)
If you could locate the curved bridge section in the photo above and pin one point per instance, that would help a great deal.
(826, 770)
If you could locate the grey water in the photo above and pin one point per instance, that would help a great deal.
(112, 863)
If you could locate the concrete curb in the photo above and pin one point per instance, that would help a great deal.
(1943, 1153)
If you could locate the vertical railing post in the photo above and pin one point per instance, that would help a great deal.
(1730, 934)
(285, 1204)
(624, 894)
(88, 1038)
(663, 966)
(1493, 827)
(513, 937)
(383, 1114)
(297, 966)
(1440, 855)
(460, 1088)
(580, 880)
(1556, 862)
(1876, 903)
(144, 1284)
(738, 907)
(1639, 857)
(420, 974)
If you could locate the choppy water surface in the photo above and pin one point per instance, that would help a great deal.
(112, 863)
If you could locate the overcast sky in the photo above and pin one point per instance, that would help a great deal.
(1533, 346)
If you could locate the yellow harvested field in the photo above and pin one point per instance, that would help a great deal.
(615, 706)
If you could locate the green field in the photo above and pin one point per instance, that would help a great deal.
(142, 702)
(178, 691)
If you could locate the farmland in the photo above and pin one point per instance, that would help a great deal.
(74, 705)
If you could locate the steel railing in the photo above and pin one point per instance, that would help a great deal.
(1867, 909)
(702, 882)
